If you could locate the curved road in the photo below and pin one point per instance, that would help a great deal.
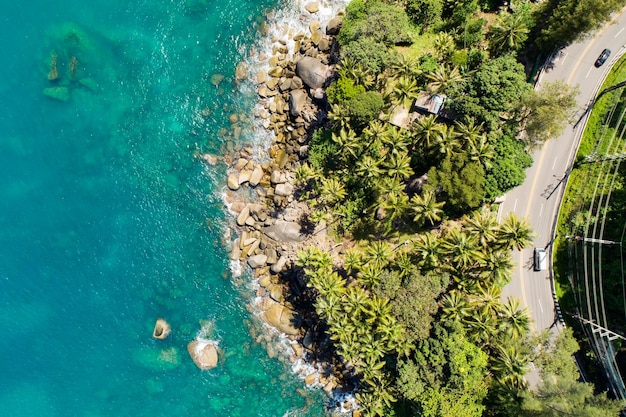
(538, 198)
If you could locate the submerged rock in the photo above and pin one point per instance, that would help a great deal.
(57, 93)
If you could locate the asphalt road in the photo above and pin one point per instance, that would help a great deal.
(538, 198)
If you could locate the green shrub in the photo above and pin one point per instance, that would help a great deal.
(384, 23)
(365, 107)
(342, 90)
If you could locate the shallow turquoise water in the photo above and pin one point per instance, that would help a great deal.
(107, 221)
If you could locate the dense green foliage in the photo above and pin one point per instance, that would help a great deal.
(569, 19)
(414, 309)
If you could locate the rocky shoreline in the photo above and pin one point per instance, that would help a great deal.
(270, 222)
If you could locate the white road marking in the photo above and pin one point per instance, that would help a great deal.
(563, 61)
(541, 210)
(554, 163)
(588, 72)
(618, 33)
(514, 205)
(540, 307)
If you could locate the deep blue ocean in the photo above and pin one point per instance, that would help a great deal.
(108, 221)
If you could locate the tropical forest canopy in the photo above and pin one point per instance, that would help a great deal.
(414, 307)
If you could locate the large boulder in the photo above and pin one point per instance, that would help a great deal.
(282, 318)
(203, 353)
(257, 261)
(283, 231)
(297, 101)
(312, 71)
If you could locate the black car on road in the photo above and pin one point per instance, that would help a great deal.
(602, 58)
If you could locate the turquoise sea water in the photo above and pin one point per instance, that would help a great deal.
(107, 221)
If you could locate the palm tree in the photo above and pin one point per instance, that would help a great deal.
(331, 191)
(454, 306)
(426, 208)
(514, 233)
(497, 267)
(395, 139)
(482, 225)
(482, 151)
(469, 130)
(352, 260)
(444, 45)
(403, 66)
(488, 300)
(515, 320)
(329, 308)
(304, 173)
(399, 165)
(428, 247)
(378, 311)
(462, 249)
(375, 129)
(369, 275)
(483, 328)
(368, 168)
(348, 141)
(328, 285)
(508, 33)
(509, 361)
(340, 115)
(405, 91)
(447, 140)
(387, 186)
(379, 253)
(444, 77)
(425, 131)
(395, 205)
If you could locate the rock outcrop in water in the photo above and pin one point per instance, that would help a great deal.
(161, 329)
(203, 353)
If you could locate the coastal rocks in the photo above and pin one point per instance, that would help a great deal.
(203, 353)
(312, 7)
(282, 318)
(334, 25)
(257, 261)
(283, 231)
(256, 176)
(284, 190)
(161, 329)
(290, 86)
(297, 101)
(312, 71)
(233, 181)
